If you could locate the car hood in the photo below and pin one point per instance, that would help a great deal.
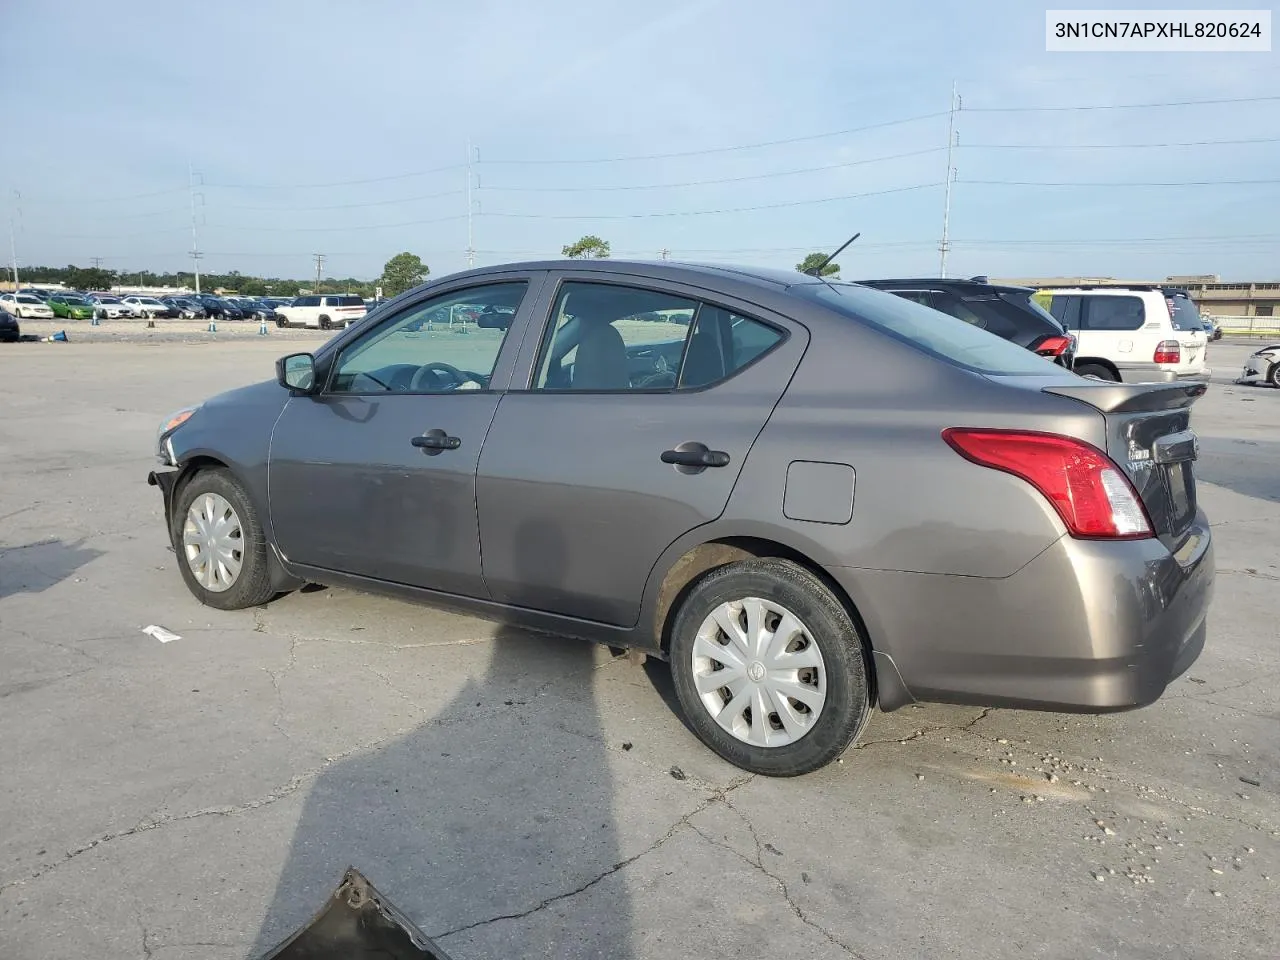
(253, 395)
(1269, 347)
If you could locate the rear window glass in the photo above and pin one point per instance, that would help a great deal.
(351, 301)
(937, 334)
(1184, 313)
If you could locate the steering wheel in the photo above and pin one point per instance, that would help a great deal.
(435, 367)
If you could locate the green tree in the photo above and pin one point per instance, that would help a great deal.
(89, 278)
(253, 287)
(403, 271)
(587, 248)
(811, 262)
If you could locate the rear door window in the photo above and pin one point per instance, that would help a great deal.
(1065, 309)
(1113, 313)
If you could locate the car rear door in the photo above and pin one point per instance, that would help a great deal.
(617, 447)
(1188, 330)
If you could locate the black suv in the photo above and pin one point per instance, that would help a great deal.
(1006, 311)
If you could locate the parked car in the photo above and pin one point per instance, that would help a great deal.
(1262, 366)
(10, 329)
(1212, 328)
(24, 305)
(186, 307)
(815, 498)
(72, 306)
(322, 311)
(258, 311)
(218, 308)
(1007, 311)
(150, 307)
(41, 295)
(107, 307)
(1133, 333)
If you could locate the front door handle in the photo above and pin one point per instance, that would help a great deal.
(696, 455)
(434, 441)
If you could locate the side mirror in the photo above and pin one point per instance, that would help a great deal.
(297, 372)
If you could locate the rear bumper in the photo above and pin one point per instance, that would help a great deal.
(1087, 627)
(1153, 373)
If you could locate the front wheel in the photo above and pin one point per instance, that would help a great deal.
(325, 323)
(769, 668)
(221, 550)
(1273, 375)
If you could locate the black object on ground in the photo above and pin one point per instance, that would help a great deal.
(358, 923)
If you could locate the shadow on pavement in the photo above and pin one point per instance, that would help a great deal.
(35, 567)
(1248, 467)
(488, 813)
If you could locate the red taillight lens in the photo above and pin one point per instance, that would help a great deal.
(1094, 499)
(1054, 346)
(1168, 351)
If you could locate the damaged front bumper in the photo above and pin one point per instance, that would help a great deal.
(358, 923)
(166, 480)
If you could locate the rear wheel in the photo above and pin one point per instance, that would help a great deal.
(1095, 370)
(769, 668)
(222, 552)
(325, 323)
(281, 322)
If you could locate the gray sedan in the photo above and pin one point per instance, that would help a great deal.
(811, 498)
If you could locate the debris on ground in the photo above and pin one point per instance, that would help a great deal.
(678, 774)
(160, 633)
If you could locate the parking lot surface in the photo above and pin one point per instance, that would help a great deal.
(522, 796)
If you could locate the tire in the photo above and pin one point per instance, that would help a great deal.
(325, 323)
(252, 586)
(281, 322)
(1095, 370)
(1273, 375)
(825, 624)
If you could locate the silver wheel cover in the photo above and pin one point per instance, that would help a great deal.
(759, 673)
(213, 542)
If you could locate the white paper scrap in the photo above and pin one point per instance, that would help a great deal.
(160, 633)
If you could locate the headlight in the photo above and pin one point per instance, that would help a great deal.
(164, 450)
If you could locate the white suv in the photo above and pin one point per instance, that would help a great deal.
(322, 311)
(1137, 334)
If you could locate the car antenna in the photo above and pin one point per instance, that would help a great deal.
(817, 271)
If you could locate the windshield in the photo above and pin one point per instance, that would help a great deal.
(930, 331)
(28, 300)
(1184, 313)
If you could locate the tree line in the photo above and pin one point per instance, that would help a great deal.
(402, 272)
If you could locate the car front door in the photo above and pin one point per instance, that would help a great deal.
(375, 474)
(639, 403)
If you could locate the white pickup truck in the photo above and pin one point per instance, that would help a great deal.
(322, 311)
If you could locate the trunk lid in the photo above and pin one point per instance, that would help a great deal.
(1149, 435)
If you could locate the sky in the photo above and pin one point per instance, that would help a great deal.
(749, 131)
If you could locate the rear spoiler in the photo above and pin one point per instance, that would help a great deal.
(1131, 397)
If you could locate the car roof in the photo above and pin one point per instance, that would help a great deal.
(676, 270)
(1129, 288)
(955, 283)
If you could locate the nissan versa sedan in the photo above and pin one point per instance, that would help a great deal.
(809, 497)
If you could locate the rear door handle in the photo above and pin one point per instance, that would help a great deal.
(695, 455)
(434, 441)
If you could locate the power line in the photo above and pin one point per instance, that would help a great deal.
(728, 149)
(720, 180)
(1124, 183)
(345, 206)
(701, 213)
(1122, 106)
(335, 183)
(344, 229)
(1113, 146)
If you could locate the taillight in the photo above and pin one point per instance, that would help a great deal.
(1054, 346)
(1093, 498)
(1168, 351)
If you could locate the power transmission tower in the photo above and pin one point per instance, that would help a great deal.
(945, 246)
(471, 246)
(664, 253)
(320, 259)
(195, 253)
(97, 262)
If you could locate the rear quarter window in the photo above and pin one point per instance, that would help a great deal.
(930, 331)
(1114, 313)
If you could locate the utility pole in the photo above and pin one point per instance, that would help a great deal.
(945, 246)
(13, 239)
(471, 247)
(195, 246)
(664, 253)
(97, 262)
(320, 258)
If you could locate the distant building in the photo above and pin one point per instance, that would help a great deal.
(1211, 295)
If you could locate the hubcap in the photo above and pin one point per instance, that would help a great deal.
(213, 542)
(759, 673)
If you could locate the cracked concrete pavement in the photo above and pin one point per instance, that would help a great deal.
(200, 799)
